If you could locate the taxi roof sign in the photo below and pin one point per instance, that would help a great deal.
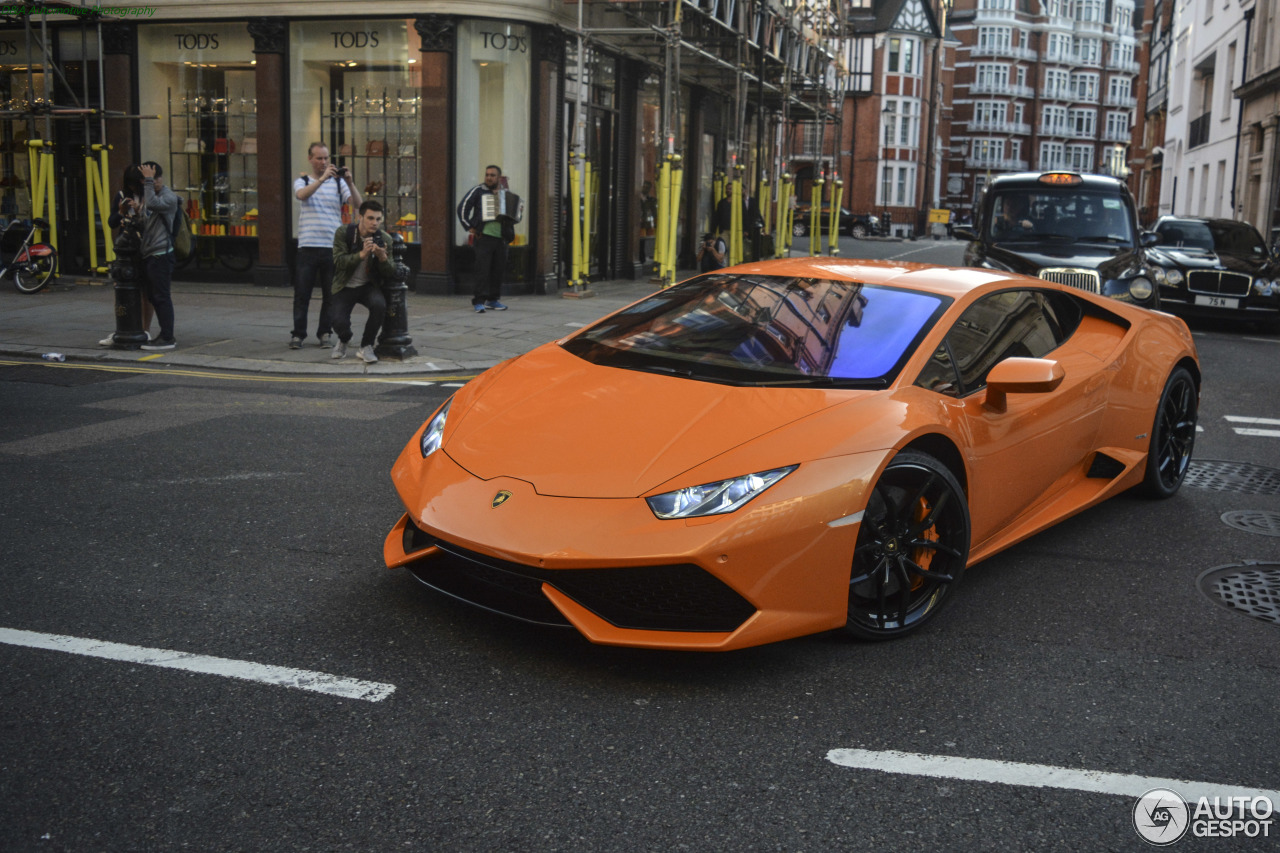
(1064, 178)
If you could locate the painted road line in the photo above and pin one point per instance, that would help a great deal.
(1270, 433)
(158, 370)
(299, 679)
(1238, 419)
(1033, 775)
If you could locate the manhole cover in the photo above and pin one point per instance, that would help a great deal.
(1249, 588)
(1233, 477)
(1253, 521)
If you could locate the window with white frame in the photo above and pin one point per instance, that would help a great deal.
(902, 122)
(903, 56)
(1092, 11)
(1059, 47)
(992, 74)
(1052, 156)
(1080, 158)
(1057, 83)
(1122, 53)
(995, 5)
(1123, 18)
(989, 112)
(988, 152)
(1118, 124)
(1120, 89)
(1018, 113)
(886, 185)
(1087, 51)
(1053, 121)
(1084, 85)
(995, 38)
(1083, 122)
(1116, 164)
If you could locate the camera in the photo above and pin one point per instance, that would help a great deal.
(343, 171)
(377, 238)
(708, 240)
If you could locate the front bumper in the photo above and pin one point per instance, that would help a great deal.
(775, 569)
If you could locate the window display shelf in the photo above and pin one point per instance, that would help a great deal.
(375, 135)
(213, 160)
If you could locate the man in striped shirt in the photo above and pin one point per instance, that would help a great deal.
(321, 194)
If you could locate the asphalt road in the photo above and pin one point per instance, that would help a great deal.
(243, 518)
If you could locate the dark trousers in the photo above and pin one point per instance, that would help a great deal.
(157, 272)
(368, 295)
(491, 263)
(313, 268)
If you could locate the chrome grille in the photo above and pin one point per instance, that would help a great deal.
(1220, 283)
(1073, 277)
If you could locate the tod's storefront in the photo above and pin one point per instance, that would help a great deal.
(414, 107)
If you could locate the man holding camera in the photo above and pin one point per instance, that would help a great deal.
(361, 263)
(321, 193)
(712, 252)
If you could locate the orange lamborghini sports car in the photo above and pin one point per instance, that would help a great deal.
(789, 447)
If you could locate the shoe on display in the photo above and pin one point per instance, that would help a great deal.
(339, 350)
(160, 345)
(295, 342)
(495, 305)
(367, 355)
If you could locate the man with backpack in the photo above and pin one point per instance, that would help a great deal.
(159, 205)
(321, 195)
(361, 264)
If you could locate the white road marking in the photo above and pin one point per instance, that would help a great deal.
(1263, 340)
(575, 325)
(1270, 433)
(1033, 775)
(1238, 419)
(402, 381)
(453, 384)
(299, 679)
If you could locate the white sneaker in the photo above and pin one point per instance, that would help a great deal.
(367, 355)
(108, 340)
(339, 350)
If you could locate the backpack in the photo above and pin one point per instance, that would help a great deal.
(183, 240)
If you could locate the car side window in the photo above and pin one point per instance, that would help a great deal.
(1009, 324)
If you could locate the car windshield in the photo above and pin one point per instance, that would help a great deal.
(1237, 238)
(1068, 214)
(1185, 235)
(767, 330)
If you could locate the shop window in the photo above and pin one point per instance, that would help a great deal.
(356, 87)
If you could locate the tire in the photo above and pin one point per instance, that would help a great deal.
(800, 228)
(859, 230)
(913, 544)
(1173, 436)
(32, 276)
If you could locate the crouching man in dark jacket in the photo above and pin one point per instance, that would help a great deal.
(361, 263)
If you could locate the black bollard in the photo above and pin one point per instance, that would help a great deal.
(126, 272)
(394, 341)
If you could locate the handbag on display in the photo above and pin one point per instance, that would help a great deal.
(193, 145)
(376, 148)
(250, 145)
(223, 145)
(346, 149)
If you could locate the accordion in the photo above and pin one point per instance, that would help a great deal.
(501, 204)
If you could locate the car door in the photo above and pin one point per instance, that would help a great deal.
(1017, 456)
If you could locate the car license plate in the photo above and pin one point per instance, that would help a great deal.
(1217, 302)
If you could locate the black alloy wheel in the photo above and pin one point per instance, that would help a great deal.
(912, 548)
(1173, 435)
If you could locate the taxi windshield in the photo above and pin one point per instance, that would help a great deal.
(1066, 214)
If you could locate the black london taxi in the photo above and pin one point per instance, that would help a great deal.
(1071, 228)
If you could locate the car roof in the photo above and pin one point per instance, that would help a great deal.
(954, 282)
(1032, 179)
(1221, 223)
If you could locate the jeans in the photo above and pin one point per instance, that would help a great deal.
(157, 273)
(368, 295)
(491, 263)
(312, 268)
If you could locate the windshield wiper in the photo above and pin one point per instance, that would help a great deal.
(819, 381)
(1098, 238)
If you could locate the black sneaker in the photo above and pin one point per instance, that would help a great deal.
(160, 345)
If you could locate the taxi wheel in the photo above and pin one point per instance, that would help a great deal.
(1173, 436)
(913, 544)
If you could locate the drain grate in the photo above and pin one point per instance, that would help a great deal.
(1253, 521)
(1233, 477)
(1252, 589)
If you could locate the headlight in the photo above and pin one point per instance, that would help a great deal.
(715, 498)
(1140, 288)
(433, 435)
(1160, 276)
(1175, 276)
(1265, 288)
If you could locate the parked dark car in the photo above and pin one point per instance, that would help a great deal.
(856, 225)
(1078, 230)
(1217, 268)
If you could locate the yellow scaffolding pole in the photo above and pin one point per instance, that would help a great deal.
(735, 218)
(837, 197)
(664, 211)
(764, 198)
(575, 227)
(96, 172)
(40, 157)
(677, 185)
(588, 212)
(783, 242)
(815, 218)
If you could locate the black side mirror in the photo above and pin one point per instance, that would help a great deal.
(964, 232)
(1149, 239)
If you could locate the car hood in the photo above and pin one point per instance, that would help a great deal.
(575, 429)
(1200, 259)
(1029, 258)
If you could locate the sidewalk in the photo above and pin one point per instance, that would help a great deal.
(246, 328)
